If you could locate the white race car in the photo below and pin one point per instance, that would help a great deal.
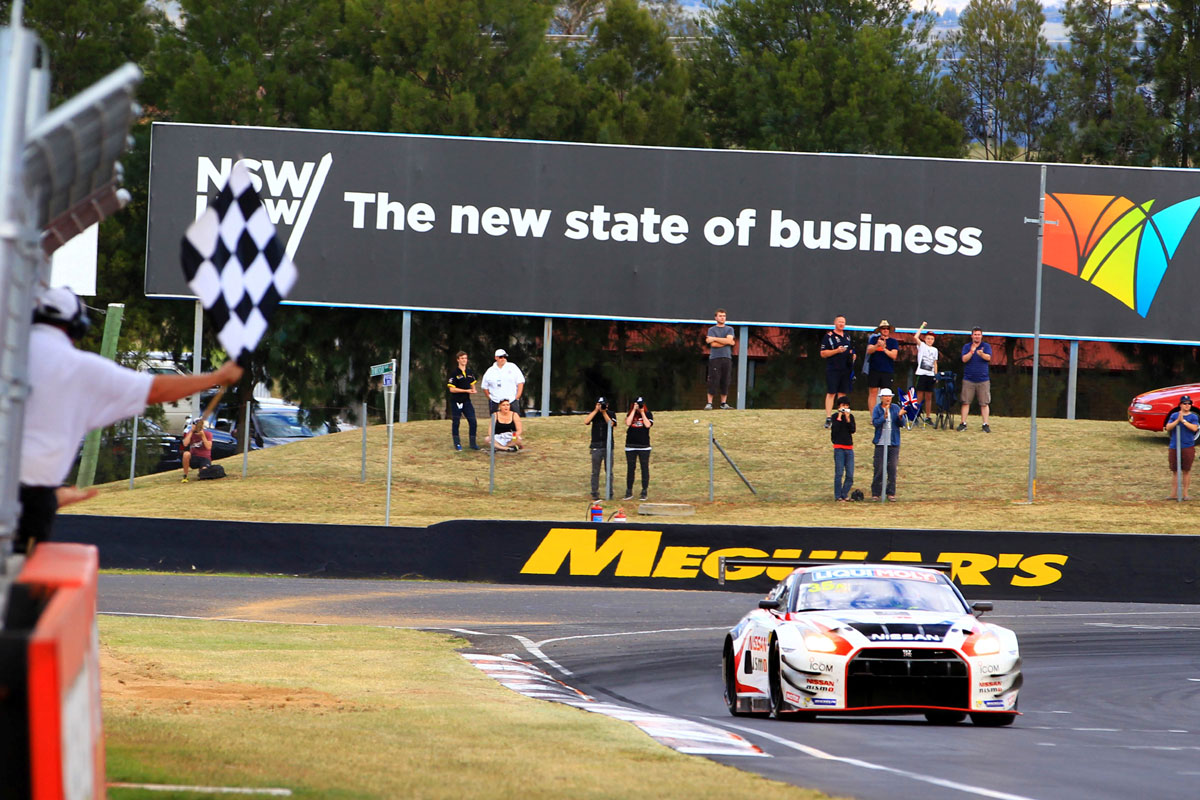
(875, 639)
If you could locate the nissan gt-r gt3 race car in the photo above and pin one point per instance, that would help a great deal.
(876, 639)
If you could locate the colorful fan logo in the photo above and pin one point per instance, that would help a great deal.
(1115, 244)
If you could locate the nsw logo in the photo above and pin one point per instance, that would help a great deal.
(289, 189)
(1114, 244)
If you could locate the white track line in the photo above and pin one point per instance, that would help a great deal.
(856, 762)
(630, 633)
(163, 787)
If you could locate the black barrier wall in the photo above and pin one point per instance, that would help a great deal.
(1139, 568)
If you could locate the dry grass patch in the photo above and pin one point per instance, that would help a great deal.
(355, 712)
(1093, 476)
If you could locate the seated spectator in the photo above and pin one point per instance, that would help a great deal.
(197, 448)
(506, 427)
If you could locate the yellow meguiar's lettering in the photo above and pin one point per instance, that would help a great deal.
(679, 562)
(1039, 569)
(634, 552)
(968, 568)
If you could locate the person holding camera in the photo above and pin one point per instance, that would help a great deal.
(839, 355)
(841, 433)
(602, 425)
(637, 445)
(882, 350)
(886, 419)
(197, 448)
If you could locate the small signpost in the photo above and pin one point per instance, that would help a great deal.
(388, 371)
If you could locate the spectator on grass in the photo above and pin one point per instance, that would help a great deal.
(461, 387)
(638, 422)
(720, 343)
(57, 414)
(839, 357)
(506, 429)
(503, 381)
(977, 385)
(197, 448)
(841, 433)
(882, 350)
(886, 419)
(602, 425)
(1187, 421)
(927, 367)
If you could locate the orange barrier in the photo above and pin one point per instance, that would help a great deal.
(65, 735)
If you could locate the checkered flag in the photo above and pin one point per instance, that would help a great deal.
(237, 266)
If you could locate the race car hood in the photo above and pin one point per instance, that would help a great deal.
(892, 625)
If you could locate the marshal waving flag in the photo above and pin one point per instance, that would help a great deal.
(235, 263)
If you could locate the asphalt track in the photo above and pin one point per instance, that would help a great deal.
(1111, 704)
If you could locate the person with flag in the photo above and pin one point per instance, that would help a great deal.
(71, 392)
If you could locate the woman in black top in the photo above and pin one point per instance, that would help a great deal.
(506, 427)
(638, 422)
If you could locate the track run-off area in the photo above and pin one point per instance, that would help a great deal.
(1110, 706)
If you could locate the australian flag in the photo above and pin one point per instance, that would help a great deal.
(912, 408)
(235, 263)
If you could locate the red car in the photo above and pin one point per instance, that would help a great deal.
(1149, 410)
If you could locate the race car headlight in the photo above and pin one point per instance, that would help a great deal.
(820, 643)
(986, 645)
(1141, 406)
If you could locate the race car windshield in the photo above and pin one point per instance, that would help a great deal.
(878, 593)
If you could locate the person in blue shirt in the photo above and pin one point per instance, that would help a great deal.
(883, 416)
(977, 384)
(882, 349)
(1186, 420)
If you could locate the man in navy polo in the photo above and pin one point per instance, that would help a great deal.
(977, 384)
(1187, 421)
(839, 357)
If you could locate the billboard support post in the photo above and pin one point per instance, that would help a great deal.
(405, 355)
(1037, 334)
(1072, 378)
(547, 346)
(743, 360)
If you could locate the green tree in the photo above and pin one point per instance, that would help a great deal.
(1171, 65)
(1101, 115)
(634, 87)
(998, 59)
(824, 75)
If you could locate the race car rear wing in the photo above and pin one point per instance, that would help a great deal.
(740, 561)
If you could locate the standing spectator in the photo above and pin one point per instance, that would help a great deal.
(720, 360)
(638, 422)
(503, 381)
(977, 384)
(927, 367)
(602, 425)
(197, 448)
(506, 426)
(461, 386)
(842, 435)
(58, 413)
(882, 350)
(839, 357)
(886, 416)
(1186, 438)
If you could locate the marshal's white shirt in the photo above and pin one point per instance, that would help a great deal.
(501, 384)
(72, 392)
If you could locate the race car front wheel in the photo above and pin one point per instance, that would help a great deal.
(774, 680)
(729, 672)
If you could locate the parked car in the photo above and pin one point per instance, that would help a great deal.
(1150, 410)
(157, 451)
(274, 422)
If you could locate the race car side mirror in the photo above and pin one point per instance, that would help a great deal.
(769, 605)
(979, 609)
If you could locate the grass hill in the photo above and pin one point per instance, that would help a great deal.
(1092, 476)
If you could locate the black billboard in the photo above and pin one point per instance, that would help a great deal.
(558, 229)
